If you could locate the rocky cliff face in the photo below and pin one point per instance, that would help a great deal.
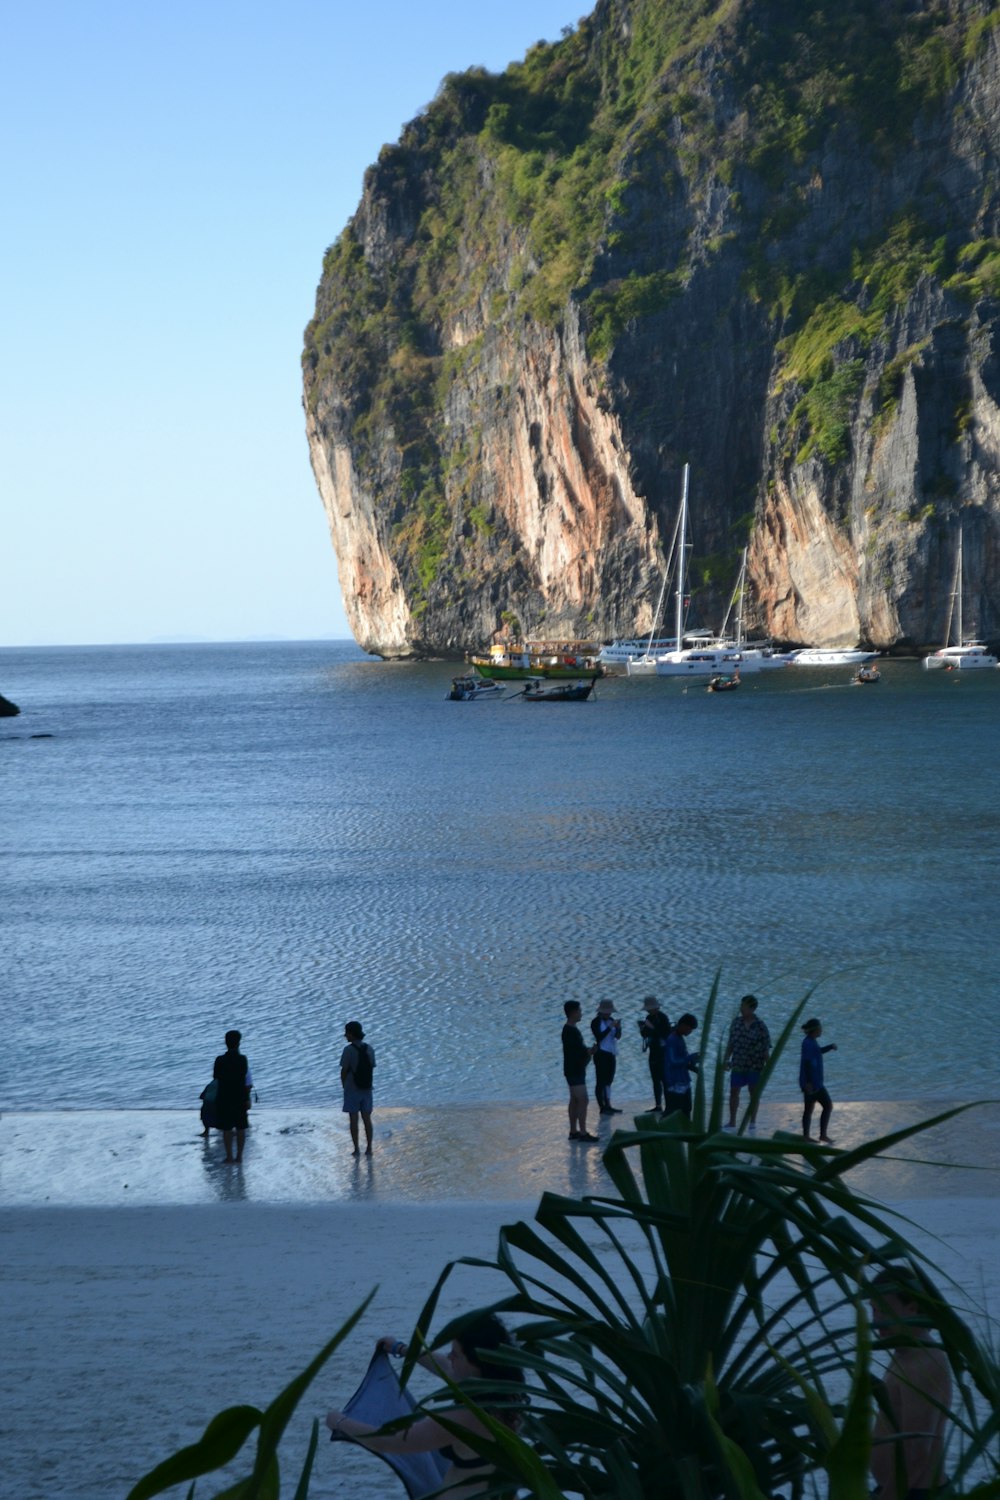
(760, 238)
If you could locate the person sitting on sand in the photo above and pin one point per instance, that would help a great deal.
(470, 1358)
(908, 1433)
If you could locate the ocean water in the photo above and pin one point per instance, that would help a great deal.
(284, 837)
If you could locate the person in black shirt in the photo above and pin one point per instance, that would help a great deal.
(654, 1028)
(607, 1031)
(232, 1100)
(576, 1056)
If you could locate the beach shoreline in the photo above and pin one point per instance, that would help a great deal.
(129, 1319)
(454, 1153)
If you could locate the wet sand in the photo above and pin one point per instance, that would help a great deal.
(459, 1153)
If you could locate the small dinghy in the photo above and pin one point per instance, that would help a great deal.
(558, 692)
(470, 689)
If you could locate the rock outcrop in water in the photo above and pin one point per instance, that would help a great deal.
(761, 237)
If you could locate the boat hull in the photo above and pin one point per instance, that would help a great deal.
(555, 673)
(559, 692)
(953, 659)
(471, 690)
(815, 657)
(697, 663)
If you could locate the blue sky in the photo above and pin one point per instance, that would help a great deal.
(173, 175)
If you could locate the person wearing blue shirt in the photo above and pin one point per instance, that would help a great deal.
(811, 1080)
(678, 1065)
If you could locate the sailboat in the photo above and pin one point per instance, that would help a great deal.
(964, 655)
(703, 659)
(755, 656)
(642, 663)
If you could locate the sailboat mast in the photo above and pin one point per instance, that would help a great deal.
(663, 588)
(680, 559)
(960, 585)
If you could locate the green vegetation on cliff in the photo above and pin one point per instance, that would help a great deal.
(660, 149)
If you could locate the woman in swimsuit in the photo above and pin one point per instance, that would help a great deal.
(469, 1474)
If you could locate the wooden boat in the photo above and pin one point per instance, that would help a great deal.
(558, 692)
(723, 682)
(471, 688)
(556, 660)
(866, 674)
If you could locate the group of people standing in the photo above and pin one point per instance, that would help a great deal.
(671, 1064)
(225, 1102)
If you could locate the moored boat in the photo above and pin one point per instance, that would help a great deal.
(817, 656)
(622, 653)
(866, 674)
(470, 689)
(508, 662)
(541, 691)
(964, 656)
(971, 657)
(756, 655)
(724, 682)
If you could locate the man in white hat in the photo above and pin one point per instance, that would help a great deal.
(607, 1031)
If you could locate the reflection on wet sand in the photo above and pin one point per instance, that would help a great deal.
(457, 1153)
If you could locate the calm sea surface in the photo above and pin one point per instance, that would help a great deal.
(284, 837)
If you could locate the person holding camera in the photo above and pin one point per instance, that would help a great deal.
(678, 1065)
(607, 1030)
(654, 1028)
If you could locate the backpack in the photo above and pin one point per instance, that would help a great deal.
(364, 1067)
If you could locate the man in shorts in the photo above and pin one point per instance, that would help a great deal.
(747, 1052)
(357, 1064)
(576, 1056)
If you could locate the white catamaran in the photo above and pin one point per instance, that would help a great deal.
(965, 656)
(701, 660)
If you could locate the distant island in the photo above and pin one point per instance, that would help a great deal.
(759, 237)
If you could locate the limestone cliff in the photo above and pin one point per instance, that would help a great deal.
(761, 237)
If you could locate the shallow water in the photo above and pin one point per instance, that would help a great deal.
(284, 837)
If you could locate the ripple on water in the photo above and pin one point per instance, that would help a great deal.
(283, 840)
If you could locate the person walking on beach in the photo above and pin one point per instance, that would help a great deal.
(909, 1429)
(747, 1052)
(232, 1098)
(576, 1056)
(607, 1030)
(654, 1028)
(357, 1067)
(678, 1065)
(811, 1080)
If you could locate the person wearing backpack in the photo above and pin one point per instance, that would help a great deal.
(357, 1065)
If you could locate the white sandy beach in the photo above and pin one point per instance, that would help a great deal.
(128, 1322)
